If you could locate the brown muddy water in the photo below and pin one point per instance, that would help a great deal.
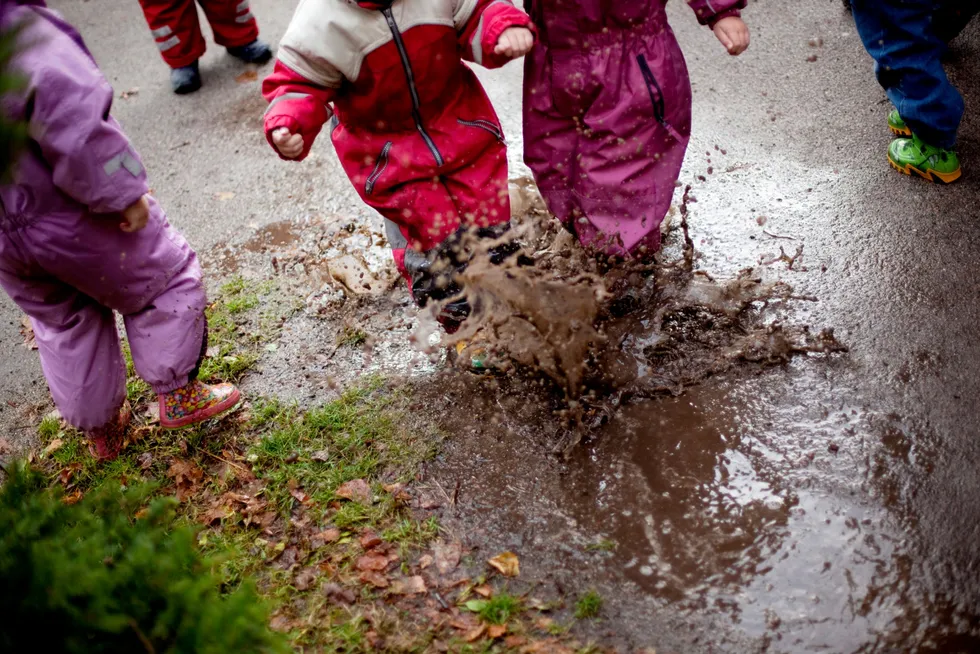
(715, 469)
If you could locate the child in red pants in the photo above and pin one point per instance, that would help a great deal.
(414, 129)
(177, 32)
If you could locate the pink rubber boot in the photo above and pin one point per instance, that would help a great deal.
(106, 442)
(196, 402)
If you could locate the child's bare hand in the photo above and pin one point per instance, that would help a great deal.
(135, 216)
(733, 34)
(514, 42)
(289, 145)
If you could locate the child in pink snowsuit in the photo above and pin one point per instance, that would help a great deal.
(607, 113)
(80, 238)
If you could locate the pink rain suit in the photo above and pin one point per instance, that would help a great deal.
(63, 258)
(607, 115)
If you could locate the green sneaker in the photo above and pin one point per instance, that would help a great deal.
(933, 164)
(897, 125)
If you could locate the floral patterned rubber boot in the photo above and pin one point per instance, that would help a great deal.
(196, 402)
(105, 443)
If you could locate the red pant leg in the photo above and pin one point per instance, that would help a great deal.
(231, 21)
(479, 190)
(175, 28)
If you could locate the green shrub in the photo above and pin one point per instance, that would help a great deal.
(111, 573)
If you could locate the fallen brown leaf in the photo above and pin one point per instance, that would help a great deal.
(249, 75)
(464, 622)
(216, 513)
(398, 492)
(280, 623)
(5, 446)
(52, 447)
(476, 634)
(186, 476)
(374, 562)
(320, 539)
(305, 578)
(447, 556)
(73, 498)
(370, 540)
(425, 561)
(548, 646)
(338, 593)
(289, 558)
(145, 460)
(374, 578)
(484, 591)
(27, 331)
(67, 473)
(514, 641)
(300, 496)
(320, 456)
(495, 631)
(507, 564)
(357, 490)
(409, 586)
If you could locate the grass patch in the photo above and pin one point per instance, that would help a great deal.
(352, 337)
(604, 545)
(588, 606)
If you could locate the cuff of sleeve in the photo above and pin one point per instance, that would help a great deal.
(730, 13)
(497, 25)
(274, 122)
(124, 196)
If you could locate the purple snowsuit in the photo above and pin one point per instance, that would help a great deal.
(607, 115)
(63, 258)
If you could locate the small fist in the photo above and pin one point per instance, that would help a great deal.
(288, 144)
(733, 34)
(135, 216)
(515, 42)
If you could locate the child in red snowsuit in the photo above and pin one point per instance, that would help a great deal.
(175, 27)
(413, 127)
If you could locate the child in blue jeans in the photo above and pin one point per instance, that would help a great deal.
(907, 40)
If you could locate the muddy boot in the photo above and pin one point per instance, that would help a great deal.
(256, 52)
(186, 79)
(106, 442)
(196, 402)
(912, 155)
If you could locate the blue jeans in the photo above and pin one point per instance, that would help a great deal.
(907, 44)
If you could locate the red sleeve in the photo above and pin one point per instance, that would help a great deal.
(478, 37)
(297, 104)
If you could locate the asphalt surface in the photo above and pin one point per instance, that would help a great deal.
(894, 504)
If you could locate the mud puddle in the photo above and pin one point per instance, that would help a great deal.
(725, 519)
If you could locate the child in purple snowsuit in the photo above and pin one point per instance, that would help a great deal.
(80, 238)
(607, 113)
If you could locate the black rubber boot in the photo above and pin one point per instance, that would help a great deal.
(256, 52)
(186, 79)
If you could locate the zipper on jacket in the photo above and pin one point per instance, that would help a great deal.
(410, 77)
(485, 125)
(379, 169)
(656, 93)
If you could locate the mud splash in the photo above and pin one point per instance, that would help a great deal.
(605, 331)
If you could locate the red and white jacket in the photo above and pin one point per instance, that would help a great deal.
(394, 75)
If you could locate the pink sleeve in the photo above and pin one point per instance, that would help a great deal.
(710, 12)
(67, 103)
(297, 104)
(478, 37)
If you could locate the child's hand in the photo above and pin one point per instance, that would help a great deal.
(514, 42)
(289, 145)
(135, 216)
(733, 34)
